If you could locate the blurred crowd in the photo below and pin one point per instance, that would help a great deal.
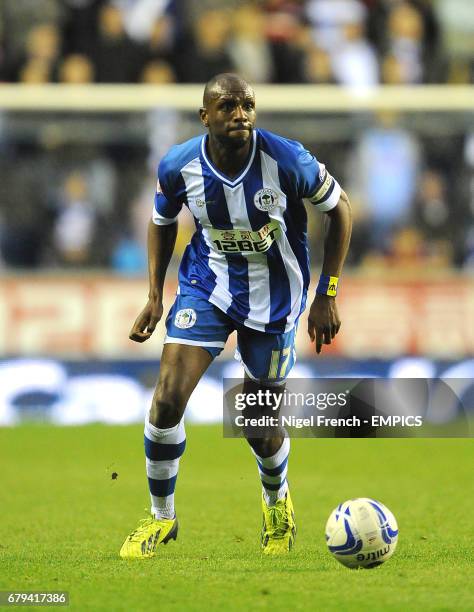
(70, 205)
(72, 201)
(349, 42)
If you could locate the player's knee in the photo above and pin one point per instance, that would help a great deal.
(266, 446)
(167, 407)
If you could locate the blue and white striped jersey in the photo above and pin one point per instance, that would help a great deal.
(249, 254)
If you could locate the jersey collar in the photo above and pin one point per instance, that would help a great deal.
(221, 176)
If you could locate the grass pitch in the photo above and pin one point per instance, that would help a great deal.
(63, 520)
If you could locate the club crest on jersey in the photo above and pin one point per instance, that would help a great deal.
(185, 318)
(265, 199)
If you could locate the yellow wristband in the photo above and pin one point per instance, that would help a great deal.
(327, 285)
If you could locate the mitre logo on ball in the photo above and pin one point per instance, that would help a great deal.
(265, 199)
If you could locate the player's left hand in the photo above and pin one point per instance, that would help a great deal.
(323, 321)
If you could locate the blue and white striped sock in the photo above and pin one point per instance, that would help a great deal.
(273, 473)
(163, 448)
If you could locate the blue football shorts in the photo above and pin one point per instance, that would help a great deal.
(265, 357)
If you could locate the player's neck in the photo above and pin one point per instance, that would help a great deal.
(228, 160)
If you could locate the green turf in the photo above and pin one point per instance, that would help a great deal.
(63, 520)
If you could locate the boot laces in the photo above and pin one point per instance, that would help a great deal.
(278, 521)
(142, 525)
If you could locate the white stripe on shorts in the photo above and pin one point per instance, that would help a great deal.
(172, 340)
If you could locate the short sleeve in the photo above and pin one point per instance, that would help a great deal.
(315, 183)
(166, 208)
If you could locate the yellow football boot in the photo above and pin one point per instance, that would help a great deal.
(279, 527)
(142, 542)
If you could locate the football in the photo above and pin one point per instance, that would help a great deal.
(361, 533)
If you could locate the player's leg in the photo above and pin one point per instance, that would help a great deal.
(196, 333)
(165, 441)
(267, 360)
(269, 444)
(165, 436)
(181, 368)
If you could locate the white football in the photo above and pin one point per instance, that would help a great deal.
(361, 532)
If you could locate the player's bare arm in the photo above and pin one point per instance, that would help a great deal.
(323, 319)
(161, 241)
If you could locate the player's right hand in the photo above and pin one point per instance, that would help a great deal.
(146, 321)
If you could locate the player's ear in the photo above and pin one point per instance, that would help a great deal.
(203, 116)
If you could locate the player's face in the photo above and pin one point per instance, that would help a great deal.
(230, 116)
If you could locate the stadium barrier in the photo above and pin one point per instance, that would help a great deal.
(90, 316)
(271, 98)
